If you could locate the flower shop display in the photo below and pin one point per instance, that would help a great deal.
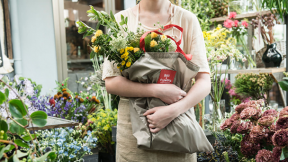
(219, 47)
(14, 97)
(133, 55)
(264, 131)
(100, 124)
(256, 86)
(235, 98)
(238, 31)
(68, 143)
(271, 57)
(204, 14)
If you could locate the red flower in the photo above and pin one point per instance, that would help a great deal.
(280, 138)
(264, 156)
(228, 23)
(266, 120)
(244, 23)
(271, 112)
(236, 23)
(52, 102)
(232, 15)
(282, 123)
(244, 127)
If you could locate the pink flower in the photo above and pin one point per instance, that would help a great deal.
(266, 120)
(258, 133)
(277, 153)
(236, 23)
(271, 112)
(241, 107)
(228, 23)
(228, 84)
(234, 126)
(244, 127)
(227, 123)
(244, 23)
(87, 98)
(282, 123)
(251, 113)
(232, 92)
(245, 100)
(232, 15)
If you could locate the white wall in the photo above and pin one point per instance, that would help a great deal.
(33, 41)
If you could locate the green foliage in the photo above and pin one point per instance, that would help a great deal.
(17, 108)
(16, 128)
(280, 5)
(39, 118)
(21, 143)
(253, 85)
(27, 138)
(202, 9)
(3, 98)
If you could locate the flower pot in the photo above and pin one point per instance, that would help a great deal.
(93, 157)
(114, 131)
(106, 157)
(272, 57)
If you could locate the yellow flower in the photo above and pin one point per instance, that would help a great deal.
(123, 63)
(103, 121)
(122, 56)
(93, 39)
(89, 116)
(218, 28)
(97, 48)
(118, 66)
(99, 124)
(126, 58)
(204, 34)
(106, 127)
(104, 115)
(93, 119)
(153, 43)
(128, 64)
(122, 51)
(223, 34)
(154, 35)
(163, 37)
(98, 33)
(136, 50)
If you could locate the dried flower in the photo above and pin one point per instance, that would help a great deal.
(264, 156)
(266, 120)
(258, 132)
(249, 148)
(234, 126)
(271, 112)
(250, 113)
(244, 127)
(277, 153)
(280, 138)
(282, 123)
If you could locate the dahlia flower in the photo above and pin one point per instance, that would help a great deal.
(280, 138)
(271, 112)
(282, 123)
(264, 156)
(244, 127)
(266, 120)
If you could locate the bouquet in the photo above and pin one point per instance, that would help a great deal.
(265, 133)
(134, 53)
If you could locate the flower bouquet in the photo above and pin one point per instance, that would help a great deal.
(134, 53)
(265, 133)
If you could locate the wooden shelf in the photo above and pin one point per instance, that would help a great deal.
(258, 70)
(240, 16)
(78, 61)
(53, 122)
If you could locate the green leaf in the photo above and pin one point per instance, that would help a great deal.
(2, 98)
(11, 148)
(92, 54)
(21, 154)
(4, 149)
(285, 78)
(7, 93)
(39, 118)
(284, 85)
(15, 128)
(3, 126)
(19, 142)
(51, 155)
(17, 108)
(284, 153)
(27, 138)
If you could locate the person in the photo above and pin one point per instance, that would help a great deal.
(148, 13)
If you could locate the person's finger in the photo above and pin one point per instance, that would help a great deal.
(183, 93)
(152, 126)
(180, 97)
(150, 121)
(149, 112)
(155, 130)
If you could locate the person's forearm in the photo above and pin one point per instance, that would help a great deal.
(197, 93)
(123, 87)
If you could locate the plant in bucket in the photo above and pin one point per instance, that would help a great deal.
(134, 53)
(219, 47)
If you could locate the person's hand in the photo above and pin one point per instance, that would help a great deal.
(168, 93)
(159, 117)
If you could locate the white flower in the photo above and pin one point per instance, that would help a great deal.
(82, 83)
(119, 42)
(86, 78)
(244, 59)
(88, 89)
(172, 46)
(28, 89)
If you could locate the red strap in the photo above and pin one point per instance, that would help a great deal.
(142, 40)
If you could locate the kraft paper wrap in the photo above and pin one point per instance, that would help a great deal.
(183, 134)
